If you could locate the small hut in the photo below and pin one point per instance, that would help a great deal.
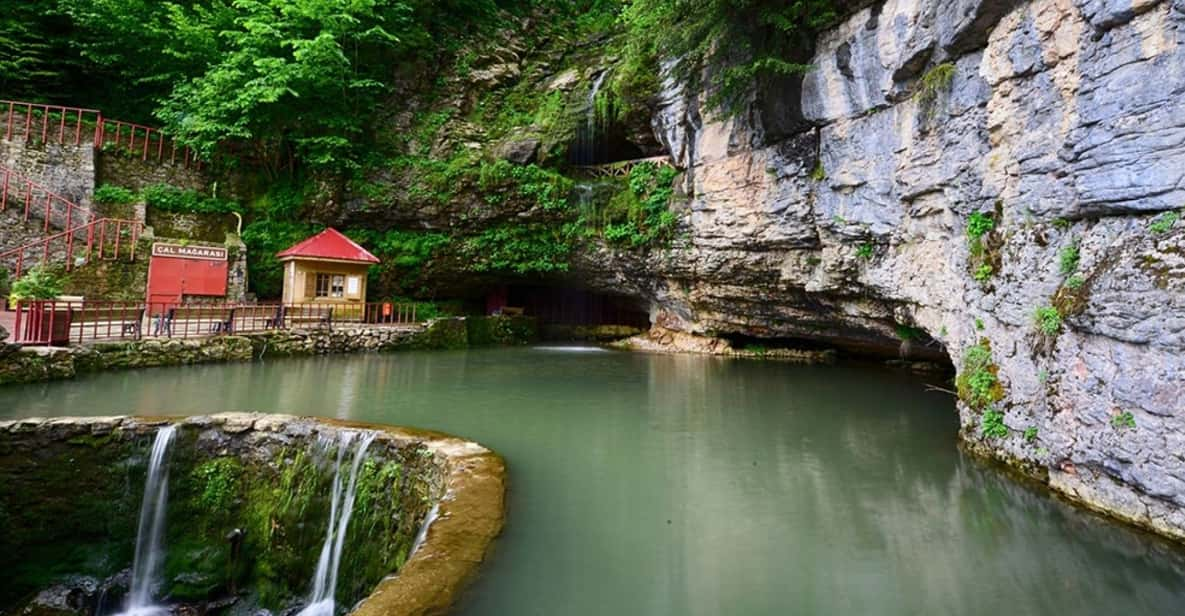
(327, 268)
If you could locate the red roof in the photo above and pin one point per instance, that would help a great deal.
(329, 244)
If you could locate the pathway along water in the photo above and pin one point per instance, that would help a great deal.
(150, 531)
(646, 484)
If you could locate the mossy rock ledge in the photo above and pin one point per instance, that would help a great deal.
(427, 508)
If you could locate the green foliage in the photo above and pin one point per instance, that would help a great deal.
(522, 249)
(1061, 224)
(1068, 259)
(979, 324)
(173, 199)
(819, 173)
(865, 251)
(37, 283)
(983, 273)
(219, 481)
(546, 188)
(1124, 420)
(640, 215)
(1030, 434)
(1162, 223)
(759, 350)
(907, 332)
(726, 47)
(4, 283)
(977, 383)
(979, 224)
(992, 424)
(265, 238)
(1075, 282)
(1049, 320)
(403, 255)
(113, 195)
(935, 81)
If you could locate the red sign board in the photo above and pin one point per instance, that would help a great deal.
(177, 270)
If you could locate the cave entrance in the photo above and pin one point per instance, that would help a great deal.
(571, 313)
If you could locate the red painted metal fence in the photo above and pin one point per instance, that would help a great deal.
(61, 323)
(30, 198)
(36, 123)
(104, 239)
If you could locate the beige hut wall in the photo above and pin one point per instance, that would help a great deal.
(300, 280)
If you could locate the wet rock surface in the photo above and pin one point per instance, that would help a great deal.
(259, 474)
(1061, 120)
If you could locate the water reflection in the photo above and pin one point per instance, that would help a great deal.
(691, 485)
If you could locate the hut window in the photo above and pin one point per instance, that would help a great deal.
(331, 285)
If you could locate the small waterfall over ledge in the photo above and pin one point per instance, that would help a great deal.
(321, 601)
(151, 529)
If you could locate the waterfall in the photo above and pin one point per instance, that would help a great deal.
(321, 601)
(423, 534)
(151, 529)
(587, 150)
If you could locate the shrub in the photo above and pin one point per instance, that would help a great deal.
(936, 80)
(983, 273)
(113, 195)
(979, 224)
(172, 199)
(1068, 259)
(865, 251)
(977, 383)
(38, 283)
(1164, 222)
(1075, 282)
(1030, 434)
(992, 424)
(1049, 320)
(1124, 420)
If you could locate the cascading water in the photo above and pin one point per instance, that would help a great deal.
(151, 530)
(423, 534)
(588, 146)
(321, 601)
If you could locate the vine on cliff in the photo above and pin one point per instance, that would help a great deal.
(742, 43)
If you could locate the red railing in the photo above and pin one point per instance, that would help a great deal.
(32, 199)
(61, 323)
(50, 123)
(145, 142)
(36, 123)
(105, 239)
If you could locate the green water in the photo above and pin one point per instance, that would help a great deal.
(687, 485)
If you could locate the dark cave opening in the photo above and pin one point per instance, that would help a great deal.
(559, 309)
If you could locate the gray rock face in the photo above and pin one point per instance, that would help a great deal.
(1065, 121)
(519, 152)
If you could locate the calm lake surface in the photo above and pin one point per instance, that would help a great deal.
(649, 484)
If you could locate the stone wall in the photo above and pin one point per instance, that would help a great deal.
(31, 364)
(1062, 120)
(119, 167)
(68, 170)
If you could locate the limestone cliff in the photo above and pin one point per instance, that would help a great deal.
(1061, 123)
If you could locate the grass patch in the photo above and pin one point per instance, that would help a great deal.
(1049, 320)
(977, 383)
(1068, 259)
(1164, 222)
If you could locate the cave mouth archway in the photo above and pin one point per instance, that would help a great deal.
(569, 312)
